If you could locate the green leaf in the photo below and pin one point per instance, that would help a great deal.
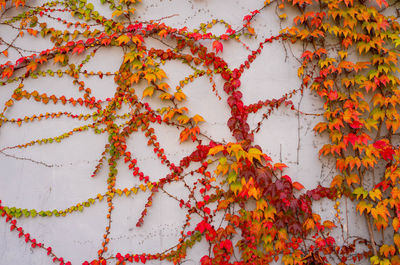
(360, 191)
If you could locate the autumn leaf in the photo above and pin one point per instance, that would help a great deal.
(216, 149)
(254, 153)
(197, 118)
(396, 224)
(180, 96)
(148, 92)
(309, 224)
(183, 119)
(279, 166)
(217, 46)
(337, 181)
(297, 185)
(375, 194)
(123, 39)
(329, 224)
(251, 30)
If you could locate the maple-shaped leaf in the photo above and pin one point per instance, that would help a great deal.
(297, 185)
(362, 206)
(217, 46)
(183, 119)
(179, 95)
(375, 194)
(254, 153)
(360, 191)
(137, 39)
(309, 224)
(382, 3)
(197, 118)
(353, 178)
(337, 181)
(236, 187)
(123, 39)
(385, 250)
(253, 191)
(269, 213)
(31, 66)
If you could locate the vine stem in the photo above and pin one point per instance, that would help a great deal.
(371, 234)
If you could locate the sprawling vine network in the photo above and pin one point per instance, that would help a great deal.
(350, 60)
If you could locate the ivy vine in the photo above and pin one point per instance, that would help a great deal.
(350, 60)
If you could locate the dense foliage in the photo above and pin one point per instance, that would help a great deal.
(350, 60)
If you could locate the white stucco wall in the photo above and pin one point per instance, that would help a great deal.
(56, 176)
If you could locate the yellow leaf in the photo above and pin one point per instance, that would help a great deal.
(117, 13)
(342, 54)
(136, 40)
(362, 206)
(160, 74)
(309, 224)
(254, 153)
(163, 33)
(163, 86)
(123, 39)
(183, 119)
(254, 192)
(283, 16)
(216, 149)
(237, 150)
(396, 224)
(148, 91)
(197, 118)
(150, 77)
(180, 96)
(375, 193)
(269, 213)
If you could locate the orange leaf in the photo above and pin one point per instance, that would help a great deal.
(216, 149)
(279, 166)
(329, 224)
(297, 185)
(251, 30)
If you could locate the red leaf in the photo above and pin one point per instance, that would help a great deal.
(217, 46)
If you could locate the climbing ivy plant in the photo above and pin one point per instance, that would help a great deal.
(350, 60)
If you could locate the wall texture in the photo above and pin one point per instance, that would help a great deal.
(56, 176)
